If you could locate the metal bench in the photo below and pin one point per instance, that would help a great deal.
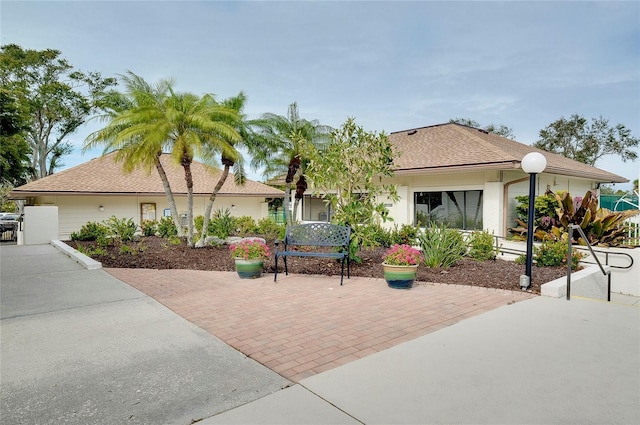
(316, 235)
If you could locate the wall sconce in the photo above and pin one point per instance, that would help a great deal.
(101, 208)
(233, 206)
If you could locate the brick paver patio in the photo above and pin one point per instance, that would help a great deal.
(303, 325)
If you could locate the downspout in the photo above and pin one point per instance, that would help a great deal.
(505, 202)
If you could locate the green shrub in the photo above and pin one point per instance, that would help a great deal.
(121, 229)
(554, 253)
(406, 235)
(482, 246)
(91, 231)
(198, 222)
(441, 246)
(521, 259)
(245, 226)
(167, 228)
(271, 230)
(222, 224)
(149, 227)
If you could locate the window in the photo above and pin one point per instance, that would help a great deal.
(314, 209)
(456, 209)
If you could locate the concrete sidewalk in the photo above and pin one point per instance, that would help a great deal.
(539, 361)
(81, 347)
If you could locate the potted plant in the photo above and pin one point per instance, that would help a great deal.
(249, 255)
(400, 265)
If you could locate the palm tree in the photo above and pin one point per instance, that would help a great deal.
(230, 157)
(129, 118)
(285, 145)
(151, 120)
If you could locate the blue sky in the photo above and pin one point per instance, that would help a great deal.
(391, 65)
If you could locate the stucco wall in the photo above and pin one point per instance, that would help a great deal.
(495, 218)
(75, 211)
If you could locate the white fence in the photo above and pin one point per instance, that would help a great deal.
(632, 230)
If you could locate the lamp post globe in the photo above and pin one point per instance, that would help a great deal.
(533, 163)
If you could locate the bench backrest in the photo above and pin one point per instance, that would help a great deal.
(318, 234)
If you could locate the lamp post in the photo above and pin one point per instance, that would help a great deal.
(533, 163)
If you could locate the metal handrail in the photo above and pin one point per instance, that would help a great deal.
(604, 272)
(607, 254)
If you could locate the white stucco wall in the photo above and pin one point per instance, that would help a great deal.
(495, 218)
(75, 211)
(40, 225)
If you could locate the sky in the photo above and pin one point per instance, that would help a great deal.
(391, 65)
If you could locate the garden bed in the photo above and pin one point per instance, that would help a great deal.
(158, 253)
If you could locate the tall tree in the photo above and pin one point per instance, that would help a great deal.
(286, 143)
(150, 120)
(229, 155)
(586, 142)
(14, 150)
(500, 129)
(348, 175)
(57, 98)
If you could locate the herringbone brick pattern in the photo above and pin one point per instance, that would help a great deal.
(303, 325)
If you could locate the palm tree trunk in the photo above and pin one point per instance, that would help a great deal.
(169, 194)
(287, 201)
(189, 179)
(209, 207)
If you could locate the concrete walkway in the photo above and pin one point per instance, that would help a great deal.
(81, 347)
(540, 361)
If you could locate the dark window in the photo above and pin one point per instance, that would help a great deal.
(456, 209)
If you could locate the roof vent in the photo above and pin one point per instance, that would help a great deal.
(482, 131)
(412, 132)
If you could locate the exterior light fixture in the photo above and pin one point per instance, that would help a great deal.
(533, 163)
(101, 208)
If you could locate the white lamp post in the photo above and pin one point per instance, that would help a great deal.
(533, 163)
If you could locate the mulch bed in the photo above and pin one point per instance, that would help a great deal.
(157, 253)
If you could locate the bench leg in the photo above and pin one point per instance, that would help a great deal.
(275, 275)
(342, 272)
(286, 269)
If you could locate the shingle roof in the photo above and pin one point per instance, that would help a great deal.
(104, 176)
(451, 146)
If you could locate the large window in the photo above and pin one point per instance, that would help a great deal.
(460, 209)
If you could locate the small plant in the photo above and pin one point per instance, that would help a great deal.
(554, 253)
(402, 255)
(481, 246)
(222, 224)
(91, 231)
(245, 226)
(92, 251)
(167, 228)
(441, 246)
(126, 249)
(121, 229)
(174, 240)
(521, 259)
(149, 227)
(407, 234)
(271, 230)
(250, 250)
